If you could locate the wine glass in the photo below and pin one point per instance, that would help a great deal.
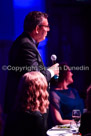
(76, 115)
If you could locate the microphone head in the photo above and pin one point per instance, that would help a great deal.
(53, 57)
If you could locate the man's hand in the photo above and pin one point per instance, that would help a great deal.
(55, 69)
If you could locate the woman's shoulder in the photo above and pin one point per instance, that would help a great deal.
(29, 116)
(86, 114)
(86, 117)
(25, 114)
(74, 90)
(54, 92)
(32, 114)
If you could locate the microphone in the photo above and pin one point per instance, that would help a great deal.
(54, 58)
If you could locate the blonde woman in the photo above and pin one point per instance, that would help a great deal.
(32, 102)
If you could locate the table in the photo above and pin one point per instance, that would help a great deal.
(63, 130)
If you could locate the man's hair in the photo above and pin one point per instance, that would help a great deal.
(33, 92)
(33, 19)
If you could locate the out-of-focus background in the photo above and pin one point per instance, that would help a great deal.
(69, 37)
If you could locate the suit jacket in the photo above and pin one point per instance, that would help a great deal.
(23, 57)
(24, 124)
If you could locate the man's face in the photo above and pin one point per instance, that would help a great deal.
(43, 30)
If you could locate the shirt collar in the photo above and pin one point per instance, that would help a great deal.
(35, 42)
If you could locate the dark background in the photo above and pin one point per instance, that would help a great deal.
(69, 37)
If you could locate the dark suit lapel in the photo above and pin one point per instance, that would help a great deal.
(30, 40)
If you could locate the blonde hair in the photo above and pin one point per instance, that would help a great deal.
(33, 93)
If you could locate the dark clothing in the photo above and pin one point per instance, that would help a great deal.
(65, 101)
(85, 127)
(23, 57)
(24, 124)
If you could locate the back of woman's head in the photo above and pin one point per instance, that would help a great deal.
(33, 92)
(63, 69)
(88, 99)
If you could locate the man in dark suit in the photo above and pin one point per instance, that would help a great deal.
(24, 56)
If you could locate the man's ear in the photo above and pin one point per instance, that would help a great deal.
(37, 29)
